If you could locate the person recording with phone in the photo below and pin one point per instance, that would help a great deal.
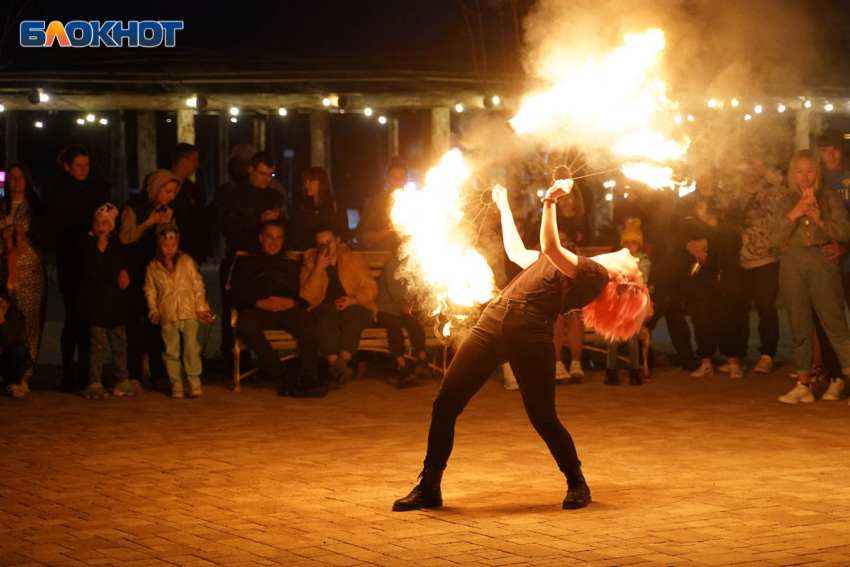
(341, 292)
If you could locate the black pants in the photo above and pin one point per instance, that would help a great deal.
(143, 337)
(668, 300)
(828, 356)
(252, 323)
(720, 323)
(516, 332)
(15, 360)
(340, 330)
(75, 338)
(395, 325)
(763, 285)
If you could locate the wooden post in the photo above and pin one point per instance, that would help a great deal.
(11, 136)
(441, 132)
(118, 191)
(320, 149)
(186, 126)
(145, 143)
(392, 132)
(259, 133)
(223, 146)
(803, 129)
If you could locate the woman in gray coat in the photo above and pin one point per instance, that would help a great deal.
(807, 218)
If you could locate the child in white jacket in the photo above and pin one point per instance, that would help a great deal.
(177, 301)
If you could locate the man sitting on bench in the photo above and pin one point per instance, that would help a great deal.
(265, 291)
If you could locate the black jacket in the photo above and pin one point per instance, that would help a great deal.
(241, 209)
(261, 276)
(308, 218)
(104, 303)
(70, 209)
(188, 207)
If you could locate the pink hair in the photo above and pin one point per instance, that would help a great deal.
(619, 311)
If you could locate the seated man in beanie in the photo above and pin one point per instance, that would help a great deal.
(265, 291)
(15, 358)
(341, 293)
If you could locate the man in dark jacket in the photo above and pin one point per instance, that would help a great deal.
(14, 355)
(188, 204)
(265, 291)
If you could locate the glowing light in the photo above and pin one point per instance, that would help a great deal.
(496, 99)
(609, 197)
(459, 107)
(410, 186)
(90, 117)
(281, 111)
(808, 104)
(712, 103)
(748, 117)
(192, 102)
(758, 109)
(677, 119)
(368, 112)
(81, 121)
(735, 102)
(43, 97)
(828, 107)
(2, 108)
(654, 176)
(104, 121)
(780, 108)
(382, 119)
(326, 101)
(651, 145)
(610, 184)
(232, 119)
(234, 111)
(625, 195)
(690, 117)
(39, 124)
(168, 120)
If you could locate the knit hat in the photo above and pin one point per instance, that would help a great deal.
(166, 231)
(109, 211)
(632, 231)
(157, 180)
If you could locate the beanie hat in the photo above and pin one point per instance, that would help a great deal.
(157, 180)
(109, 211)
(166, 231)
(632, 231)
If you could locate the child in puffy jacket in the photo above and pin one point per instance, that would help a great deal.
(177, 301)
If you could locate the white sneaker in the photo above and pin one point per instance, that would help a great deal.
(561, 372)
(735, 371)
(704, 371)
(508, 377)
(576, 370)
(835, 392)
(765, 365)
(799, 393)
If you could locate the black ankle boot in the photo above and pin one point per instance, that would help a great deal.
(635, 378)
(426, 494)
(611, 377)
(578, 493)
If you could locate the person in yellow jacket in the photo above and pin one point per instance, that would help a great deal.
(341, 293)
(177, 301)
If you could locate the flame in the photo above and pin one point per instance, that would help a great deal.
(439, 255)
(653, 176)
(651, 145)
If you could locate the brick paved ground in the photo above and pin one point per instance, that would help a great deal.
(683, 472)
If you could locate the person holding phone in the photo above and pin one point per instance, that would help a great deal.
(341, 292)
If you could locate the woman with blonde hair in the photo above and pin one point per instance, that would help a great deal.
(807, 219)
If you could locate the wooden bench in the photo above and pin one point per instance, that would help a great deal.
(372, 339)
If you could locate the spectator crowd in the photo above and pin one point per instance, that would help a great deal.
(130, 280)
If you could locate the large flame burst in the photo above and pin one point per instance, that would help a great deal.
(614, 101)
(440, 256)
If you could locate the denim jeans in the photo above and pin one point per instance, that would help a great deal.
(516, 332)
(395, 325)
(117, 339)
(341, 330)
(171, 333)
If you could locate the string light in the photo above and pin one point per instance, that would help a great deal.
(281, 111)
(758, 109)
(43, 97)
(104, 121)
(828, 107)
(192, 102)
(39, 124)
(368, 111)
(90, 117)
(459, 107)
(2, 108)
(81, 121)
(677, 119)
(712, 103)
(234, 111)
(735, 102)
(625, 195)
(690, 117)
(808, 104)
(780, 108)
(747, 117)
(326, 101)
(382, 119)
(496, 99)
(232, 119)
(609, 197)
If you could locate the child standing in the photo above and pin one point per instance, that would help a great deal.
(632, 239)
(177, 301)
(104, 301)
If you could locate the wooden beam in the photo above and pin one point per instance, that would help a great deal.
(320, 150)
(94, 101)
(803, 129)
(145, 143)
(441, 132)
(11, 137)
(186, 126)
(259, 133)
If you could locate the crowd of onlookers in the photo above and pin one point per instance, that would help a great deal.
(129, 276)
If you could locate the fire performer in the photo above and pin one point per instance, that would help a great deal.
(518, 326)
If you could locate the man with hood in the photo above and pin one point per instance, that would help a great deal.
(139, 217)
